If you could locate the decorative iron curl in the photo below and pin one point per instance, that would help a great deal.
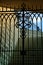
(19, 24)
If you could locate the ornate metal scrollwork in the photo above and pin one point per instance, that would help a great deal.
(19, 23)
(23, 25)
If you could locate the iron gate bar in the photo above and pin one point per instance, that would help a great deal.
(41, 32)
(13, 39)
(37, 33)
(18, 36)
(32, 30)
(23, 36)
(5, 38)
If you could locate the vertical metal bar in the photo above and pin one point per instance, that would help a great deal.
(5, 40)
(37, 32)
(18, 30)
(32, 28)
(14, 39)
(28, 37)
(5, 36)
(32, 32)
(1, 35)
(9, 35)
(1, 28)
(18, 38)
(41, 39)
(28, 42)
(41, 33)
(23, 35)
(6, 32)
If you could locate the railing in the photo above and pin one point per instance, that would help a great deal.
(21, 37)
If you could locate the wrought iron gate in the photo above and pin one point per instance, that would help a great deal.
(21, 40)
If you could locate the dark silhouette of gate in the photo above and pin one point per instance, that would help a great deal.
(21, 40)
